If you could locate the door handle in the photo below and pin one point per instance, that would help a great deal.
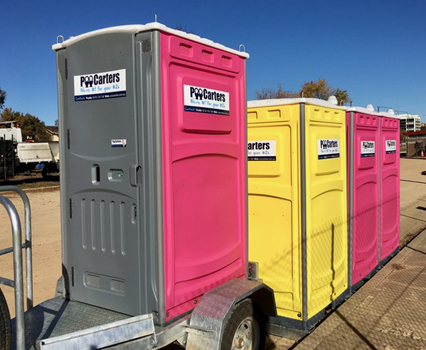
(135, 171)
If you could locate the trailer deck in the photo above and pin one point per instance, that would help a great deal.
(70, 325)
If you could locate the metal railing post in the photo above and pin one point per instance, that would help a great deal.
(17, 272)
(28, 241)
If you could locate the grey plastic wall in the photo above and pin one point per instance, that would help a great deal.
(111, 229)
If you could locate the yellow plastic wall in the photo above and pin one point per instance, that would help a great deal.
(274, 192)
(326, 215)
(274, 206)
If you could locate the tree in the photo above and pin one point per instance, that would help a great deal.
(310, 89)
(265, 94)
(342, 96)
(2, 98)
(30, 125)
(322, 90)
(316, 89)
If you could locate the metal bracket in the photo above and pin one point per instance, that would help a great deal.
(253, 271)
(200, 332)
(103, 336)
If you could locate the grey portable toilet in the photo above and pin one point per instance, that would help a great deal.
(153, 168)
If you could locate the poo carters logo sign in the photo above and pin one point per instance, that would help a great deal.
(390, 146)
(96, 86)
(203, 100)
(368, 149)
(328, 149)
(262, 150)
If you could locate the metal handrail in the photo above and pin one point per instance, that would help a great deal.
(17, 282)
(27, 245)
(17, 271)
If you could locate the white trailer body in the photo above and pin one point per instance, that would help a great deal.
(35, 152)
(11, 134)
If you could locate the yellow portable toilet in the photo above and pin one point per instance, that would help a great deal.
(297, 206)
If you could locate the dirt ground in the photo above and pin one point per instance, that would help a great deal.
(47, 232)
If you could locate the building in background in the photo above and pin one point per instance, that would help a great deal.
(416, 135)
(410, 122)
(415, 143)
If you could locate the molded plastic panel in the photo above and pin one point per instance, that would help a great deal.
(365, 196)
(274, 205)
(101, 248)
(204, 170)
(389, 193)
(275, 209)
(326, 215)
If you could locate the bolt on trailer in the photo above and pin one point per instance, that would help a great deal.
(20, 157)
(153, 197)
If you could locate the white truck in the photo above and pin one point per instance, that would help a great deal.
(18, 157)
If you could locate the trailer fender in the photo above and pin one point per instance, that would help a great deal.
(206, 328)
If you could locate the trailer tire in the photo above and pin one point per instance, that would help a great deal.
(5, 325)
(244, 328)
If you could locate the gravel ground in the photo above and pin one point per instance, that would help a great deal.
(47, 230)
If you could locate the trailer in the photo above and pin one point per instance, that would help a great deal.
(39, 156)
(153, 199)
(8, 161)
(18, 157)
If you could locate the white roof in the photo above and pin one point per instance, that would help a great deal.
(368, 111)
(363, 110)
(405, 116)
(138, 28)
(292, 101)
(389, 115)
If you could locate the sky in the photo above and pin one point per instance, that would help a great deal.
(376, 50)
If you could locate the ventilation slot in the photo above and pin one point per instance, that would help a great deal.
(185, 50)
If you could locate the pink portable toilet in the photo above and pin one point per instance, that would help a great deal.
(389, 186)
(363, 127)
(153, 168)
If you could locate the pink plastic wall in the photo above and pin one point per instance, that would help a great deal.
(389, 193)
(204, 174)
(365, 196)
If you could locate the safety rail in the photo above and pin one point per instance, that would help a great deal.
(17, 283)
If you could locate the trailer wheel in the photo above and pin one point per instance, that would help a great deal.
(244, 328)
(5, 325)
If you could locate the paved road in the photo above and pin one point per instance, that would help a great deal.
(412, 198)
(389, 311)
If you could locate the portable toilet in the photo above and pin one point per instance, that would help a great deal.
(363, 127)
(297, 205)
(389, 186)
(153, 168)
